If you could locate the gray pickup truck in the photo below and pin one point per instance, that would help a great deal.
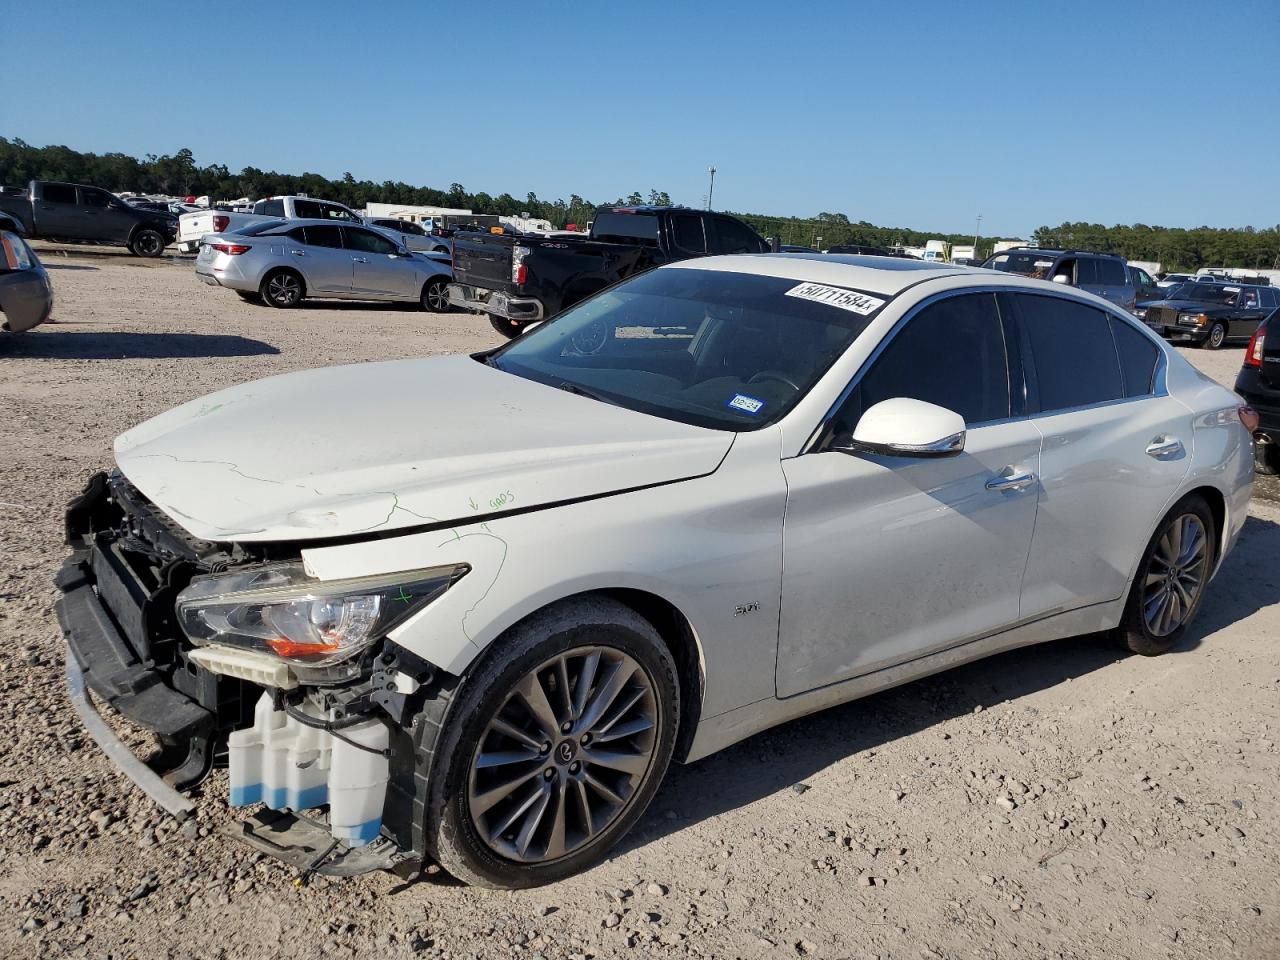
(70, 211)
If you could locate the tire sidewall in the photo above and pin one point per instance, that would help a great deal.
(451, 836)
(1135, 633)
(1210, 342)
(426, 302)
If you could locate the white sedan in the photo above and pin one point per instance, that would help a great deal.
(482, 601)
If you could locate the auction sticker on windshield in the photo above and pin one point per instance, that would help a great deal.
(746, 404)
(859, 303)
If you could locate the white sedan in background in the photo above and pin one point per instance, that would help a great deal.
(496, 594)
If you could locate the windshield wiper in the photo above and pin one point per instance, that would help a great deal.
(568, 387)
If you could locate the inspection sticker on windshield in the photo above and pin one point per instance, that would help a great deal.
(746, 404)
(858, 303)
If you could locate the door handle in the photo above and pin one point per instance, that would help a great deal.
(359, 259)
(1011, 479)
(1163, 447)
(298, 253)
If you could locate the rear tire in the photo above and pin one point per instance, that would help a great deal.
(532, 781)
(508, 328)
(147, 243)
(435, 295)
(282, 289)
(1171, 579)
(1217, 336)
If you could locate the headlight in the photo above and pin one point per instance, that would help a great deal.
(1198, 319)
(302, 620)
(1140, 313)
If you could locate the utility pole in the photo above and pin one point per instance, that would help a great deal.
(977, 231)
(712, 187)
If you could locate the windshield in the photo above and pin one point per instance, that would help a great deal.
(731, 351)
(1204, 292)
(1031, 264)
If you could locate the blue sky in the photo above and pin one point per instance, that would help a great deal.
(921, 114)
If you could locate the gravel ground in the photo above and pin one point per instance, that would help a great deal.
(1061, 801)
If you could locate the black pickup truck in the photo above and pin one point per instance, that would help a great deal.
(70, 211)
(519, 280)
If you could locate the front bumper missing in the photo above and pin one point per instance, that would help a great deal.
(146, 779)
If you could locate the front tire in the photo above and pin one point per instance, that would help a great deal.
(1171, 579)
(553, 747)
(435, 295)
(282, 289)
(1217, 336)
(147, 243)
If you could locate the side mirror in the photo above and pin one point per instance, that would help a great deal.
(1061, 278)
(902, 427)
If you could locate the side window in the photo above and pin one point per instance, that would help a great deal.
(735, 237)
(98, 199)
(324, 236)
(14, 254)
(1110, 272)
(951, 353)
(412, 228)
(59, 193)
(1087, 271)
(1138, 358)
(297, 233)
(1269, 298)
(332, 211)
(686, 232)
(1073, 350)
(1249, 299)
(368, 241)
(307, 210)
(269, 208)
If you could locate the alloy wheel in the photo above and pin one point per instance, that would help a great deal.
(150, 243)
(1217, 335)
(284, 288)
(564, 755)
(438, 298)
(1176, 575)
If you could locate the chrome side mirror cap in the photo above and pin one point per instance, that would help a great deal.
(903, 427)
(1061, 278)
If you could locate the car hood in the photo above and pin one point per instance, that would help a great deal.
(373, 447)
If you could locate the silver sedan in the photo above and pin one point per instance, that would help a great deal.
(282, 263)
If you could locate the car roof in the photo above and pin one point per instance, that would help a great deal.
(887, 275)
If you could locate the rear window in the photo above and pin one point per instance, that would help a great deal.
(1138, 358)
(1111, 272)
(308, 210)
(59, 193)
(269, 208)
(626, 228)
(256, 229)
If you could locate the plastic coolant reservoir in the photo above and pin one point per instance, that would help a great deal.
(289, 765)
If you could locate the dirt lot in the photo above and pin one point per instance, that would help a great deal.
(1061, 801)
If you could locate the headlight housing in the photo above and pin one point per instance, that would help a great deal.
(278, 609)
(1193, 319)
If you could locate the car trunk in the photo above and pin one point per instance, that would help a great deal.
(484, 261)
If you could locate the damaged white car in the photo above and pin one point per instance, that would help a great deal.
(467, 609)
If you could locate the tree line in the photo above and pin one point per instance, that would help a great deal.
(178, 174)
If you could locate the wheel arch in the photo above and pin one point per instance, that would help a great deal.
(271, 272)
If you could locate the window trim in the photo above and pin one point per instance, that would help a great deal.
(1159, 383)
(817, 440)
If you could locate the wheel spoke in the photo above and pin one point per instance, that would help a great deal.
(605, 695)
(632, 763)
(562, 681)
(499, 758)
(515, 733)
(483, 802)
(627, 729)
(535, 698)
(534, 795)
(603, 789)
(586, 677)
(615, 715)
(556, 845)
(584, 805)
(533, 820)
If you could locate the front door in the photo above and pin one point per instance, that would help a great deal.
(379, 270)
(1116, 448)
(887, 559)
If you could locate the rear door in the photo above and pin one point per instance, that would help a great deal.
(1116, 448)
(1114, 282)
(57, 211)
(323, 260)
